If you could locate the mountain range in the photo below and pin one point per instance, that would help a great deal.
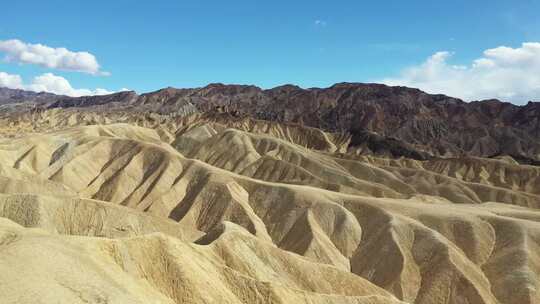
(356, 193)
(395, 121)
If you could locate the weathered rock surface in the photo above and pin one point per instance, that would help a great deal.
(392, 121)
(232, 194)
(262, 216)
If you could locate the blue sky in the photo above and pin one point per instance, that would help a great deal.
(147, 45)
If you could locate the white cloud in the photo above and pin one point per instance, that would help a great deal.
(54, 58)
(510, 74)
(10, 81)
(48, 82)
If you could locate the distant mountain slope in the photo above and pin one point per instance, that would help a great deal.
(15, 96)
(407, 121)
(438, 124)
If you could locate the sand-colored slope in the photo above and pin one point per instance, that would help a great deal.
(169, 127)
(461, 181)
(74, 216)
(426, 232)
(310, 138)
(234, 268)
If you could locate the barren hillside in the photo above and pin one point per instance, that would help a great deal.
(244, 195)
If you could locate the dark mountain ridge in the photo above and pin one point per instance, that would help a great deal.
(8, 96)
(433, 124)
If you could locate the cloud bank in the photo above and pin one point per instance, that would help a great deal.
(48, 82)
(509, 74)
(54, 58)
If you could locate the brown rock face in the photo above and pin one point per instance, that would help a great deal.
(437, 124)
(13, 96)
(399, 121)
